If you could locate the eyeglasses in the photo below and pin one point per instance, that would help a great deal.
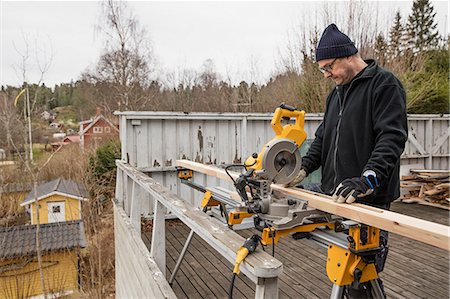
(327, 68)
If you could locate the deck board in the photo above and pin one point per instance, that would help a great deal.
(413, 269)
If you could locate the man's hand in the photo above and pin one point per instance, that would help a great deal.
(351, 189)
(300, 177)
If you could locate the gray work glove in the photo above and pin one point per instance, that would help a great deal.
(351, 189)
(302, 174)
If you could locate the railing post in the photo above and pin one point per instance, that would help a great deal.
(158, 245)
(128, 193)
(119, 186)
(266, 288)
(136, 207)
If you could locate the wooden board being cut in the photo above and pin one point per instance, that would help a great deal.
(424, 231)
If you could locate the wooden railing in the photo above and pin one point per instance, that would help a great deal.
(134, 188)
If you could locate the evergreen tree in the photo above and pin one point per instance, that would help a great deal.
(380, 49)
(396, 37)
(421, 27)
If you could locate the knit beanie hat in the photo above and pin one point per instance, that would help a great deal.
(334, 44)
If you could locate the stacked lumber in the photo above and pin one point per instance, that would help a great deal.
(428, 187)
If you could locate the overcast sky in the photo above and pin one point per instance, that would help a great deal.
(183, 34)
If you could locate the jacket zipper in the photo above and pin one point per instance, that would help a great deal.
(336, 140)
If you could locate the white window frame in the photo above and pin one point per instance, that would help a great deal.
(98, 130)
(56, 216)
(107, 130)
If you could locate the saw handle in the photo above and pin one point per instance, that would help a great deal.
(286, 112)
(288, 107)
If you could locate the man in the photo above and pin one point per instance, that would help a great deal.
(363, 133)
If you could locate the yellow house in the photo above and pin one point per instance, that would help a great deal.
(19, 271)
(11, 195)
(15, 191)
(59, 200)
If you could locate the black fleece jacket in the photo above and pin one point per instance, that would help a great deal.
(364, 127)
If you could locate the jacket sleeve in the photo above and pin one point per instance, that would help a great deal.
(313, 158)
(390, 128)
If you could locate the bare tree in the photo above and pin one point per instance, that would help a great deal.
(12, 127)
(127, 60)
(43, 60)
(297, 68)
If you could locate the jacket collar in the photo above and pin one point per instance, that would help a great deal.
(371, 68)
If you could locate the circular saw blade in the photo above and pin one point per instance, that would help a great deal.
(281, 161)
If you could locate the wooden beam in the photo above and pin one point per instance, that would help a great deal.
(424, 231)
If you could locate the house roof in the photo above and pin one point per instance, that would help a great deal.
(58, 186)
(17, 241)
(72, 138)
(96, 119)
(85, 121)
(16, 187)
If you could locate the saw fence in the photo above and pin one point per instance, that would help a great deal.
(424, 231)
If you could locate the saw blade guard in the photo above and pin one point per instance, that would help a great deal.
(281, 160)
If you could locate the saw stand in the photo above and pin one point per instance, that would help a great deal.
(334, 242)
(337, 292)
(352, 246)
(347, 254)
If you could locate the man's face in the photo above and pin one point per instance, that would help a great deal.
(337, 69)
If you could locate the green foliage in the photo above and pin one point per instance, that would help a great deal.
(396, 37)
(428, 90)
(67, 115)
(102, 161)
(421, 27)
(63, 95)
(380, 49)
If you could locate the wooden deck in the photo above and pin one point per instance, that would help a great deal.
(413, 269)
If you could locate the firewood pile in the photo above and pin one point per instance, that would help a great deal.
(428, 187)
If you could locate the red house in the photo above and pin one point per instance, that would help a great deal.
(71, 139)
(95, 131)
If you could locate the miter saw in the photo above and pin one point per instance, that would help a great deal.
(278, 162)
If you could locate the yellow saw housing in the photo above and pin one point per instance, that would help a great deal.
(293, 132)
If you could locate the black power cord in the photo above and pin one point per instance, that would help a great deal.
(230, 290)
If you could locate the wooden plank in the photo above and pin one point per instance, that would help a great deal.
(215, 233)
(443, 171)
(209, 266)
(182, 280)
(242, 284)
(408, 273)
(426, 203)
(424, 231)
